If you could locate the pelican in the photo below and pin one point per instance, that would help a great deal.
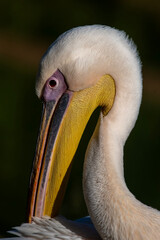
(86, 68)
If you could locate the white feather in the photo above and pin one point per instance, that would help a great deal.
(57, 228)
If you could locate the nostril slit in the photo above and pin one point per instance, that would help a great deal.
(52, 83)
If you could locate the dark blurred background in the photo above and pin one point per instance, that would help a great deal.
(27, 28)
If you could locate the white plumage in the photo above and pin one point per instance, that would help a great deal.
(83, 55)
(57, 228)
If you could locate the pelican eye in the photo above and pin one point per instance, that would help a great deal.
(53, 83)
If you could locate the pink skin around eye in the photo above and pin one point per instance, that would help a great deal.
(54, 87)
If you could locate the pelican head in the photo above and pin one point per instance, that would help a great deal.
(85, 68)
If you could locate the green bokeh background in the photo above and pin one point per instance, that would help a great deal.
(27, 28)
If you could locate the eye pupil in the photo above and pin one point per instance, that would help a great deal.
(52, 83)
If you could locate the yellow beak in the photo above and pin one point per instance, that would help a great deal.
(63, 123)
